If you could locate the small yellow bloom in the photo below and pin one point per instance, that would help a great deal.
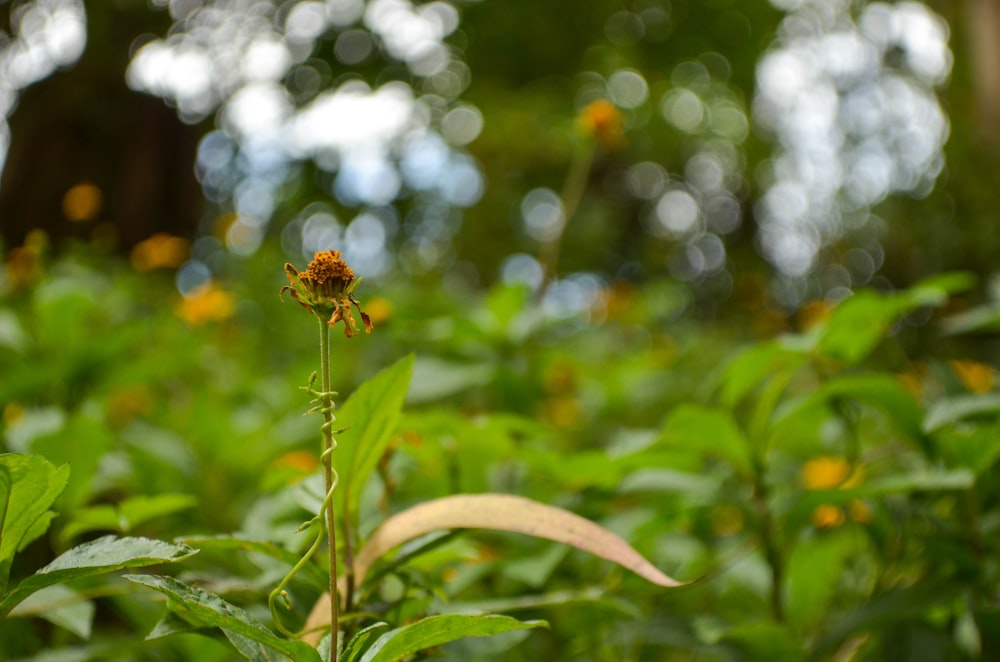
(828, 516)
(82, 202)
(975, 376)
(208, 303)
(326, 287)
(162, 250)
(824, 473)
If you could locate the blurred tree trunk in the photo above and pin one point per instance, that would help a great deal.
(84, 125)
(983, 25)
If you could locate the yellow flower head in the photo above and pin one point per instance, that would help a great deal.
(326, 287)
(823, 473)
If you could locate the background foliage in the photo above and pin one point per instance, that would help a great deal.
(823, 462)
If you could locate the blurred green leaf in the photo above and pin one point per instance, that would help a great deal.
(752, 366)
(204, 609)
(857, 325)
(813, 570)
(710, 432)
(954, 409)
(437, 630)
(60, 606)
(765, 641)
(96, 557)
(125, 516)
(914, 603)
(30, 484)
(434, 378)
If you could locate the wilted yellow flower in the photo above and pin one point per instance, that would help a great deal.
(602, 120)
(975, 376)
(326, 287)
(208, 303)
(824, 473)
(162, 250)
(828, 516)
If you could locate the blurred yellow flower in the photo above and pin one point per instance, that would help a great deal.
(828, 516)
(301, 461)
(602, 120)
(813, 313)
(162, 250)
(82, 202)
(824, 473)
(976, 377)
(208, 303)
(379, 310)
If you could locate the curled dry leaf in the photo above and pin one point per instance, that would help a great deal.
(500, 512)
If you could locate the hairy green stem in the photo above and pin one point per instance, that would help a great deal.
(327, 456)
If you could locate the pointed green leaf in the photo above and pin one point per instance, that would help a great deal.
(370, 414)
(201, 608)
(357, 643)
(99, 556)
(437, 630)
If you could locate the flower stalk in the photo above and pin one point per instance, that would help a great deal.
(325, 289)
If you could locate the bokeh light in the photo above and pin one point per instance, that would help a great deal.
(853, 122)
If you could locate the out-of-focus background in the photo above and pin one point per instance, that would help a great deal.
(687, 268)
(821, 146)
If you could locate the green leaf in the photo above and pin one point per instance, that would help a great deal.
(765, 641)
(371, 415)
(201, 608)
(710, 432)
(356, 645)
(857, 325)
(30, 484)
(60, 606)
(813, 568)
(437, 630)
(126, 515)
(951, 410)
(99, 556)
(753, 366)
(912, 603)
(924, 481)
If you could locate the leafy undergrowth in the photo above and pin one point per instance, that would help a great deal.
(823, 490)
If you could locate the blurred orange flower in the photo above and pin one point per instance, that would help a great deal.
(828, 516)
(82, 202)
(976, 377)
(162, 250)
(602, 120)
(208, 303)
